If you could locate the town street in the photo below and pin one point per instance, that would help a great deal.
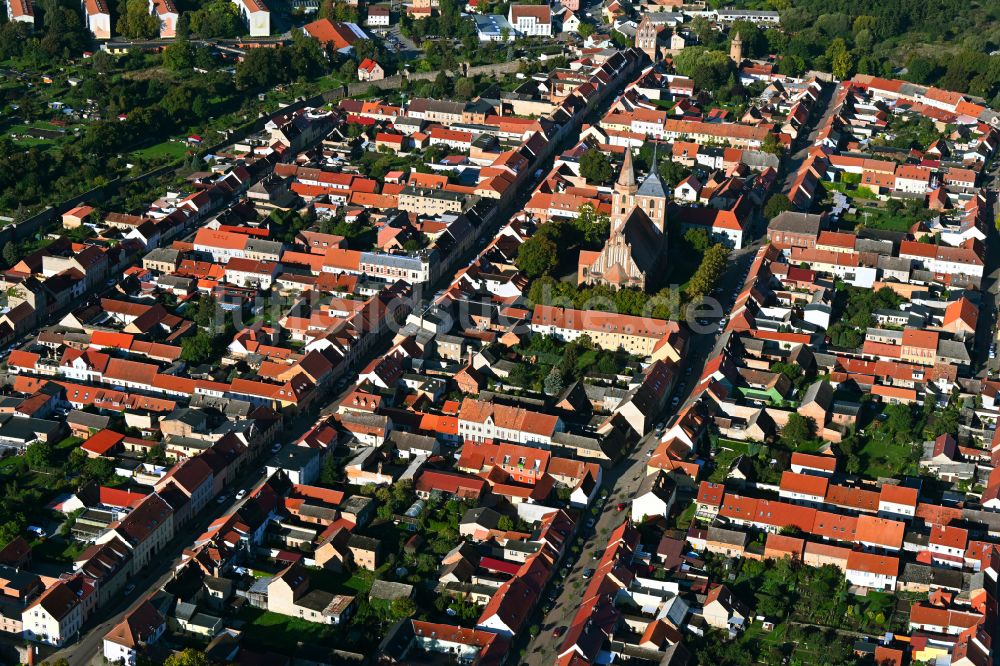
(621, 482)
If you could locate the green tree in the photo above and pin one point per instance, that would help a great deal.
(189, 657)
(553, 382)
(798, 430)
(709, 69)
(179, 56)
(698, 240)
(465, 88)
(137, 22)
(777, 204)
(401, 608)
(12, 253)
(40, 454)
(593, 227)
(772, 145)
(537, 255)
(844, 64)
(900, 423)
(713, 264)
(217, 18)
(585, 30)
(595, 167)
(198, 348)
(99, 469)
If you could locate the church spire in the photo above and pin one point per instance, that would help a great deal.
(627, 177)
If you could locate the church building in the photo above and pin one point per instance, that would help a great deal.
(635, 252)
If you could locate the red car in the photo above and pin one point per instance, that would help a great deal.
(620, 507)
(558, 631)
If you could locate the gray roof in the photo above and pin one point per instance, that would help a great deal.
(408, 441)
(293, 457)
(355, 504)
(87, 419)
(163, 254)
(388, 590)
(19, 428)
(424, 104)
(392, 260)
(652, 186)
(952, 350)
(722, 535)
(482, 515)
(266, 246)
(803, 223)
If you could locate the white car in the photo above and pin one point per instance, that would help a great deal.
(241, 494)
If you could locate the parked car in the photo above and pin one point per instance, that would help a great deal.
(129, 589)
(241, 494)
(221, 499)
(587, 573)
(558, 631)
(620, 507)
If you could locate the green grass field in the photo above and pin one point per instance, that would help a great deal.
(729, 450)
(166, 151)
(883, 457)
(281, 632)
(879, 218)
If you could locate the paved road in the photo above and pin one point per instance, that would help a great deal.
(622, 481)
(989, 312)
(86, 649)
(795, 160)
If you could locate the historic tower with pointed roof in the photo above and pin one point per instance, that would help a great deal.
(651, 197)
(623, 198)
(736, 49)
(633, 255)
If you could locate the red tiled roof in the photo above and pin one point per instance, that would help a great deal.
(803, 484)
(880, 531)
(331, 32)
(102, 442)
(877, 564)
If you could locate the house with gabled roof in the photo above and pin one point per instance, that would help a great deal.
(146, 529)
(485, 421)
(54, 617)
(369, 70)
(872, 571)
(723, 610)
(142, 627)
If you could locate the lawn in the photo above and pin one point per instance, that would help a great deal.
(281, 632)
(880, 456)
(58, 549)
(879, 218)
(683, 520)
(729, 451)
(166, 151)
(69, 443)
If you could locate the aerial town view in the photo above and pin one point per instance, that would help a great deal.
(504, 333)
